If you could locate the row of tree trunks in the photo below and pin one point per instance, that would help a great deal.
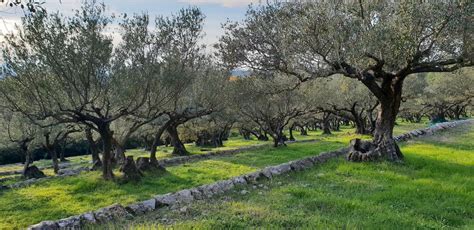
(214, 140)
(303, 131)
(259, 134)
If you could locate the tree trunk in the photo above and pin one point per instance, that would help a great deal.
(279, 139)
(326, 127)
(361, 126)
(27, 162)
(262, 137)
(245, 134)
(130, 171)
(52, 151)
(335, 124)
(439, 116)
(292, 138)
(360, 129)
(303, 131)
(384, 146)
(106, 135)
(119, 152)
(96, 162)
(178, 146)
(383, 134)
(276, 142)
(62, 145)
(54, 157)
(156, 143)
(345, 122)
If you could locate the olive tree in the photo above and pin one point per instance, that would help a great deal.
(351, 101)
(378, 43)
(413, 97)
(263, 102)
(65, 70)
(448, 96)
(142, 50)
(52, 137)
(438, 95)
(211, 130)
(192, 80)
(20, 131)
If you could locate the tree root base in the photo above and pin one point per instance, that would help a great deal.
(366, 151)
(33, 172)
(130, 171)
(147, 164)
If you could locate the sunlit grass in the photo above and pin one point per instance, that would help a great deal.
(433, 189)
(234, 142)
(63, 197)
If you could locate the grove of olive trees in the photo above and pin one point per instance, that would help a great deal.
(107, 114)
(379, 43)
(310, 65)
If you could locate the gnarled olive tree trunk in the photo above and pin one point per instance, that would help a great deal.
(326, 124)
(51, 149)
(27, 154)
(178, 146)
(106, 135)
(96, 162)
(119, 152)
(383, 133)
(156, 143)
(292, 137)
(383, 145)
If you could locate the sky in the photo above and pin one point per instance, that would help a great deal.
(216, 11)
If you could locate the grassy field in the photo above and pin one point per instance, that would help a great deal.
(404, 127)
(233, 143)
(62, 197)
(162, 152)
(433, 189)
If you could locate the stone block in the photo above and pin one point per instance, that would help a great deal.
(184, 196)
(45, 225)
(168, 199)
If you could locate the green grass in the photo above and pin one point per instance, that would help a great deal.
(234, 142)
(76, 161)
(433, 189)
(163, 152)
(404, 127)
(62, 197)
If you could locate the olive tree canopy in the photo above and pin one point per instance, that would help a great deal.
(379, 43)
(67, 70)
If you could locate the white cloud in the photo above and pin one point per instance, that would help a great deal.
(225, 3)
